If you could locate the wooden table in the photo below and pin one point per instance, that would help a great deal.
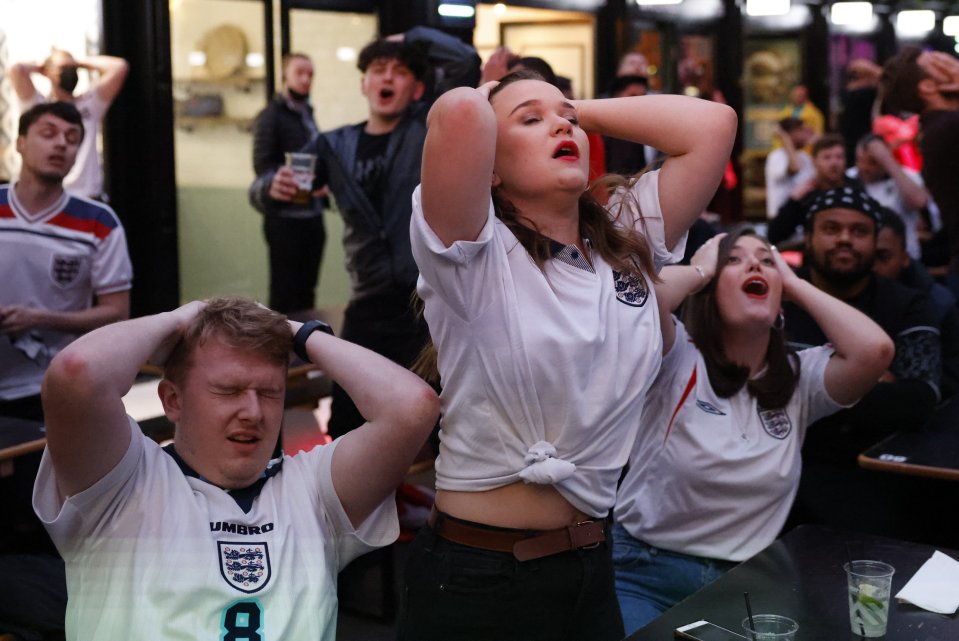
(18, 437)
(931, 452)
(801, 576)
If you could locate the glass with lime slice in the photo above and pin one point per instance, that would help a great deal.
(869, 584)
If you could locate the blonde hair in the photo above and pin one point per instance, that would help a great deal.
(239, 323)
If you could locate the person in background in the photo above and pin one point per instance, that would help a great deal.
(829, 161)
(633, 63)
(927, 83)
(295, 233)
(716, 463)
(622, 156)
(64, 259)
(238, 545)
(60, 68)
(858, 99)
(371, 169)
(892, 186)
(840, 248)
(801, 107)
(540, 304)
(787, 166)
(66, 271)
(895, 263)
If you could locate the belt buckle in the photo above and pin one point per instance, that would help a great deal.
(589, 546)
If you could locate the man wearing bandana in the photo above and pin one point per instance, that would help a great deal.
(107, 74)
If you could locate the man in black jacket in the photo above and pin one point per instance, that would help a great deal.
(295, 234)
(841, 232)
(372, 168)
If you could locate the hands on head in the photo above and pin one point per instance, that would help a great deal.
(497, 66)
(943, 68)
(790, 279)
(706, 257)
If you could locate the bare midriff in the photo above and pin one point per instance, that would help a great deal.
(520, 505)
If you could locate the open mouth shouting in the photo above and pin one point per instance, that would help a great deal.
(386, 93)
(756, 287)
(567, 150)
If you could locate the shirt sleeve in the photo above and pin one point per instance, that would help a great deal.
(457, 273)
(646, 216)
(76, 517)
(380, 528)
(811, 391)
(111, 270)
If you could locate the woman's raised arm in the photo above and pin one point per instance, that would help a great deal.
(863, 350)
(458, 163)
(696, 134)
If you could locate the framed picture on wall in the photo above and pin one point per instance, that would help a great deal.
(566, 46)
(771, 67)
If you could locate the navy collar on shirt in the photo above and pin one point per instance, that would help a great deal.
(570, 254)
(243, 496)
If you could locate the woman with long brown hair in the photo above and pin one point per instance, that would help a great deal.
(540, 303)
(716, 465)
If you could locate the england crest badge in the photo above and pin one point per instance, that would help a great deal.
(630, 289)
(64, 270)
(776, 423)
(245, 566)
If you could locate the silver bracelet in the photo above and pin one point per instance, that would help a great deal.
(702, 276)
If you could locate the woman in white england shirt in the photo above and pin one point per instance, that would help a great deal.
(716, 465)
(540, 304)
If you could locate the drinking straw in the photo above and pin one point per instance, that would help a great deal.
(749, 613)
(862, 630)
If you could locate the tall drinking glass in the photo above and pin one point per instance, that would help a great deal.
(870, 583)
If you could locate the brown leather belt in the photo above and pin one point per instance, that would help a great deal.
(525, 545)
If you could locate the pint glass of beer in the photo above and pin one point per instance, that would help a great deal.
(303, 166)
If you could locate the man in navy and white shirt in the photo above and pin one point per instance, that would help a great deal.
(63, 258)
(209, 538)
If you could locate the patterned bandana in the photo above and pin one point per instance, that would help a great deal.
(845, 198)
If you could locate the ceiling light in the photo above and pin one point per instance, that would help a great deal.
(456, 11)
(915, 22)
(649, 3)
(851, 13)
(950, 25)
(767, 7)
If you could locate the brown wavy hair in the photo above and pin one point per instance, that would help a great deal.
(701, 316)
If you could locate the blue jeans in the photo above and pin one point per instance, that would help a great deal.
(454, 592)
(649, 580)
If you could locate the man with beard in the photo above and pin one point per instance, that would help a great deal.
(840, 249)
(829, 162)
(295, 233)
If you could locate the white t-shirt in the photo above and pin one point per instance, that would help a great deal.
(85, 179)
(887, 193)
(152, 553)
(716, 477)
(543, 374)
(56, 259)
(779, 184)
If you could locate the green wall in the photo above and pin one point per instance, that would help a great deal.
(222, 250)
